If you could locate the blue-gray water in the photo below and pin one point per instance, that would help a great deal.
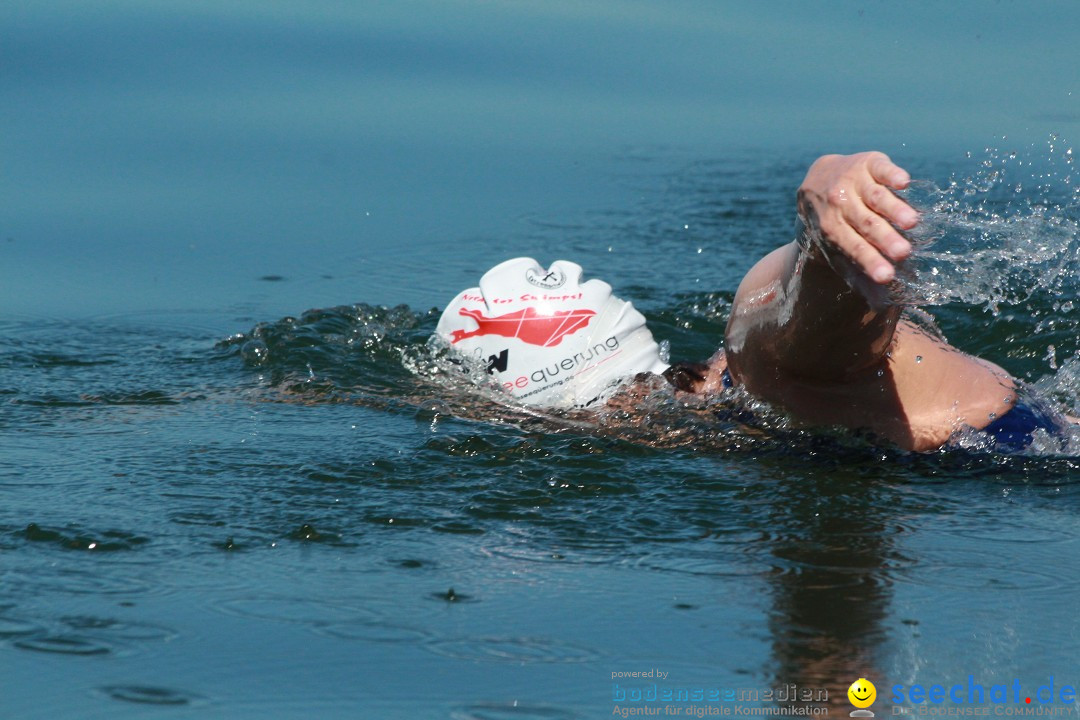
(187, 530)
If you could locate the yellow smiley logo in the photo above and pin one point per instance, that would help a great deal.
(862, 693)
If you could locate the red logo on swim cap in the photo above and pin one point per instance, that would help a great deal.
(526, 325)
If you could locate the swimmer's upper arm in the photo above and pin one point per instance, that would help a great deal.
(794, 317)
(753, 329)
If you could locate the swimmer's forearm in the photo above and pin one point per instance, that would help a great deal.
(840, 324)
(833, 275)
(794, 314)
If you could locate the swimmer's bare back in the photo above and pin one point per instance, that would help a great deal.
(812, 329)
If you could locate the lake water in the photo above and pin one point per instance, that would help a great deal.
(189, 528)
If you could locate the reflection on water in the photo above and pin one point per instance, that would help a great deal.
(831, 589)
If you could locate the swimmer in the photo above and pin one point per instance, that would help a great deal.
(813, 329)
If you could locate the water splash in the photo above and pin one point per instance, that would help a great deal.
(1062, 385)
(1003, 239)
(345, 351)
(1007, 234)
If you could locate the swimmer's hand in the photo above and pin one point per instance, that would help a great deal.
(849, 201)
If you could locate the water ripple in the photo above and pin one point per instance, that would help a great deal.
(148, 695)
(374, 632)
(74, 539)
(113, 629)
(64, 645)
(512, 711)
(305, 611)
(515, 650)
(15, 627)
(983, 570)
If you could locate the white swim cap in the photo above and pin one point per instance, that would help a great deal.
(550, 339)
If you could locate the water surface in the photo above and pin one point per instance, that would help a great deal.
(190, 528)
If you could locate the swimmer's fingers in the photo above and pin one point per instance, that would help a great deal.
(876, 229)
(863, 253)
(881, 200)
(886, 172)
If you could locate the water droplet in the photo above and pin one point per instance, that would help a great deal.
(992, 415)
(880, 373)
(918, 358)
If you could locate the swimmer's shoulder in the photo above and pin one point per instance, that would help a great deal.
(941, 388)
(917, 396)
(763, 283)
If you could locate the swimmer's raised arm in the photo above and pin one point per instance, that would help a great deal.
(818, 308)
(814, 330)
